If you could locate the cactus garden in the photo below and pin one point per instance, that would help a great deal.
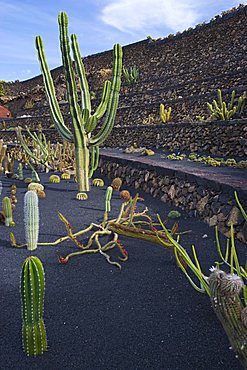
(123, 215)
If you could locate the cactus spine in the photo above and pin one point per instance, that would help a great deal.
(31, 219)
(165, 114)
(7, 209)
(225, 290)
(84, 122)
(32, 289)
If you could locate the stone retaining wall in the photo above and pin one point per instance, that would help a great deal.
(217, 137)
(211, 202)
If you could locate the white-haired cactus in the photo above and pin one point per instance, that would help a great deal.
(32, 289)
(83, 120)
(7, 209)
(31, 219)
(225, 290)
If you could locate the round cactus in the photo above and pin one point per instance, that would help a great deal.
(35, 186)
(116, 183)
(81, 196)
(31, 219)
(98, 182)
(65, 176)
(32, 290)
(54, 179)
(125, 195)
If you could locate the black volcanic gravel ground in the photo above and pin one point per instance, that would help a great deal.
(146, 316)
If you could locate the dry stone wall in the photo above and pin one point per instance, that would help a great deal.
(208, 200)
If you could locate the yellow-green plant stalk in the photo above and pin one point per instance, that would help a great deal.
(7, 209)
(165, 114)
(32, 299)
(83, 120)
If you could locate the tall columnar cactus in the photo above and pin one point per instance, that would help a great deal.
(225, 290)
(7, 209)
(83, 120)
(222, 111)
(20, 171)
(165, 114)
(32, 298)
(31, 219)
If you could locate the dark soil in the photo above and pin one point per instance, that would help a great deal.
(146, 316)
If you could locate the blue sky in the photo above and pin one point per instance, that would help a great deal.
(98, 25)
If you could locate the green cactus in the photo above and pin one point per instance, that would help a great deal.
(20, 171)
(94, 163)
(98, 182)
(108, 196)
(84, 122)
(222, 111)
(31, 219)
(165, 114)
(32, 288)
(7, 209)
(54, 179)
(131, 75)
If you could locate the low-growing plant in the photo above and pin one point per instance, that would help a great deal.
(98, 182)
(165, 114)
(54, 179)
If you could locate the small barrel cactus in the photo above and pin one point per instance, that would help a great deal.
(98, 182)
(31, 219)
(125, 195)
(54, 179)
(65, 176)
(32, 290)
(7, 210)
(35, 186)
(116, 183)
(81, 196)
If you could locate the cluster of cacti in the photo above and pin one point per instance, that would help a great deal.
(165, 114)
(215, 162)
(222, 111)
(84, 122)
(116, 183)
(98, 182)
(54, 179)
(131, 75)
(31, 219)
(81, 196)
(32, 288)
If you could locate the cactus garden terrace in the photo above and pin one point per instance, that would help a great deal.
(124, 205)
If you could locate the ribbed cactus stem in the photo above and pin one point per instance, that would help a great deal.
(108, 199)
(32, 288)
(31, 219)
(7, 209)
(225, 290)
(83, 120)
(20, 171)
